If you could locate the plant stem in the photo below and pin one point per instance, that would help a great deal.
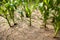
(21, 18)
(12, 16)
(45, 25)
(13, 19)
(30, 19)
(8, 21)
(53, 20)
(56, 32)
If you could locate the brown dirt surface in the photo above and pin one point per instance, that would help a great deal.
(23, 31)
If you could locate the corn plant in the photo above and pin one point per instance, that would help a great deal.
(44, 9)
(22, 15)
(54, 5)
(11, 6)
(3, 13)
(27, 10)
(57, 17)
(28, 13)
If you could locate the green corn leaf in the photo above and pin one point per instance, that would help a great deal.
(46, 1)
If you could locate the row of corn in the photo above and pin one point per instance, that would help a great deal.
(7, 8)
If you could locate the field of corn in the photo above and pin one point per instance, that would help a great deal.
(29, 19)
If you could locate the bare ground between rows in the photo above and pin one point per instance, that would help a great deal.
(23, 31)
